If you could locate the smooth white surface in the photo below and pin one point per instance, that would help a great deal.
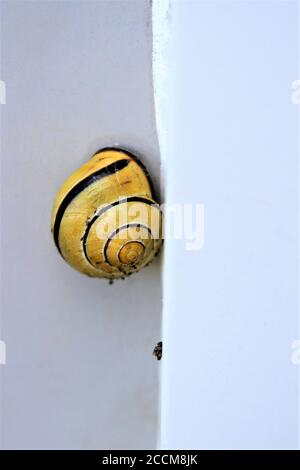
(80, 371)
(231, 309)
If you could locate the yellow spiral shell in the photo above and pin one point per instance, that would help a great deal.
(105, 222)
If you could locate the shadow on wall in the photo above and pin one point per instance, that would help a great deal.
(80, 372)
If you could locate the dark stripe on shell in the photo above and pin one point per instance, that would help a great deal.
(79, 187)
(119, 229)
(104, 209)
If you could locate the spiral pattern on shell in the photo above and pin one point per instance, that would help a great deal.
(105, 222)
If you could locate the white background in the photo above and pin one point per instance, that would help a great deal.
(80, 371)
(231, 309)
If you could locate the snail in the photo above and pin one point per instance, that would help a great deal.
(105, 222)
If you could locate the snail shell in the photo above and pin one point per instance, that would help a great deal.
(105, 222)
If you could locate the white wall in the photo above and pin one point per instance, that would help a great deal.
(231, 309)
(80, 371)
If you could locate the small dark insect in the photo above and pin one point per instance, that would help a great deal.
(157, 352)
(110, 282)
